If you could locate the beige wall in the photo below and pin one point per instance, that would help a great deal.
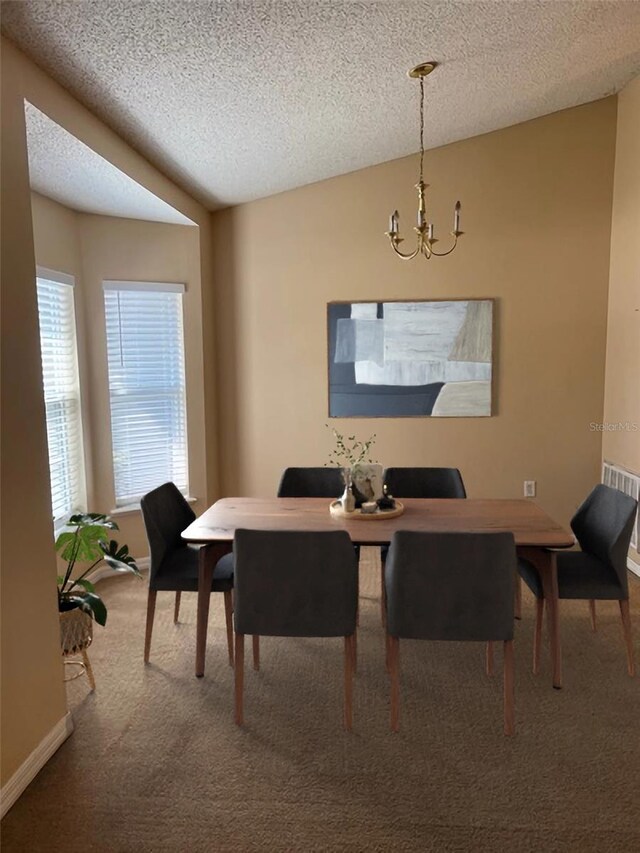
(622, 394)
(536, 211)
(99, 248)
(33, 698)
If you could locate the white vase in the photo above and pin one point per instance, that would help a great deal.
(347, 501)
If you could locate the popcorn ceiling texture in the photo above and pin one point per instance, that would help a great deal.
(240, 100)
(65, 169)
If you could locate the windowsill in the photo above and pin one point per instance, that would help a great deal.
(129, 509)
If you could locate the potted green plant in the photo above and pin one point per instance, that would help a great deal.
(86, 539)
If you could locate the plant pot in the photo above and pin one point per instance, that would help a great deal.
(76, 634)
(76, 631)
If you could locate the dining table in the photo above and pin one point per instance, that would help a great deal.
(536, 536)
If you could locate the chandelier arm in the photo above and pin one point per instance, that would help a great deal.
(448, 252)
(407, 257)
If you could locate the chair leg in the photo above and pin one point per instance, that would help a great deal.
(517, 598)
(387, 652)
(239, 679)
(151, 609)
(354, 651)
(489, 657)
(626, 630)
(348, 681)
(592, 613)
(537, 636)
(383, 596)
(509, 689)
(394, 672)
(256, 652)
(88, 669)
(228, 615)
(176, 607)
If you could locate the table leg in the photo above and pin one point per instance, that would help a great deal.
(545, 562)
(208, 557)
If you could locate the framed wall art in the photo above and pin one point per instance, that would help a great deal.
(426, 358)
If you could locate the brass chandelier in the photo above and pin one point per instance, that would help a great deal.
(423, 229)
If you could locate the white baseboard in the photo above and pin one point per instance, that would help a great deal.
(29, 769)
(105, 572)
(633, 566)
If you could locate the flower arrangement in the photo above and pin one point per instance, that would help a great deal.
(349, 451)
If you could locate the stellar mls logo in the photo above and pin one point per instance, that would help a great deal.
(619, 426)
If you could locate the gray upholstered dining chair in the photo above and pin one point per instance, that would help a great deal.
(424, 483)
(602, 525)
(174, 564)
(311, 483)
(418, 483)
(294, 584)
(451, 586)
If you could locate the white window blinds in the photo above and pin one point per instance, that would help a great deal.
(145, 351)
(61, 393)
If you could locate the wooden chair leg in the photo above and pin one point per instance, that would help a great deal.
(537, 636)
(517, 602)
(88, 669)
(151, 609)
(228, 615)
(348, 681)
(509, 689)
(626, 630)
(489, 658)
(592, 613)
(176, 608)
(239, 679)
(256, 652)
(394, 672)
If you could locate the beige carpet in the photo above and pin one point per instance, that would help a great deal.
(157, 764)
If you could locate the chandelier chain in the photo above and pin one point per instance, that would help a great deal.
(421, 127)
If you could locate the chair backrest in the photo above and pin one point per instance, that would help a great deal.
(295, 584)
(166, 514)
(451, 586)
(603, 525)
(311, 483)
(424, 483)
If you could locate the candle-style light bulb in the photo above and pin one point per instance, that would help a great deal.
(430, 231)
(456, 217)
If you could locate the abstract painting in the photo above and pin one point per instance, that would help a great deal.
(429, 358)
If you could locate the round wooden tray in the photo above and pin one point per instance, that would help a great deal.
(357, 515)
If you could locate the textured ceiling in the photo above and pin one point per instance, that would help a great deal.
(238, 100)
(65, 169)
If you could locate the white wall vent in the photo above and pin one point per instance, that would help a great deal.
(623, 480)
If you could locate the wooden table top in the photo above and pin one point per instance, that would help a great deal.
(528, 523)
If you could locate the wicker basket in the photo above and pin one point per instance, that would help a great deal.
(76, 632)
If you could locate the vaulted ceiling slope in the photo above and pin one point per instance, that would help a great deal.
(240, 100)
(68, 171)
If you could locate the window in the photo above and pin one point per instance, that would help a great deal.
(145, 353)
(61, 392)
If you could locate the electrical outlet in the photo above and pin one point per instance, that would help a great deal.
(529, 488)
